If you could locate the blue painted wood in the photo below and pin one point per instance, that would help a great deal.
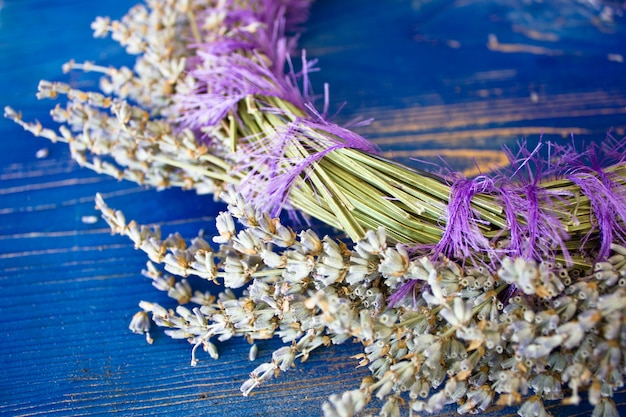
(422, 69)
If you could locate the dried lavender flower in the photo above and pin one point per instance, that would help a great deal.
(537, 351)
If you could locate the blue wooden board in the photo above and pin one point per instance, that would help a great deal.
(424, 70)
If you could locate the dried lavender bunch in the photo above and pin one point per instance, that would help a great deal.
(527, 252)
(469, 337)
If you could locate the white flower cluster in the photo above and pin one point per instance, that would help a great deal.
(464, 336)
(127, 131)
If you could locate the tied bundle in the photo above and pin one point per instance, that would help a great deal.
(500, 289)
